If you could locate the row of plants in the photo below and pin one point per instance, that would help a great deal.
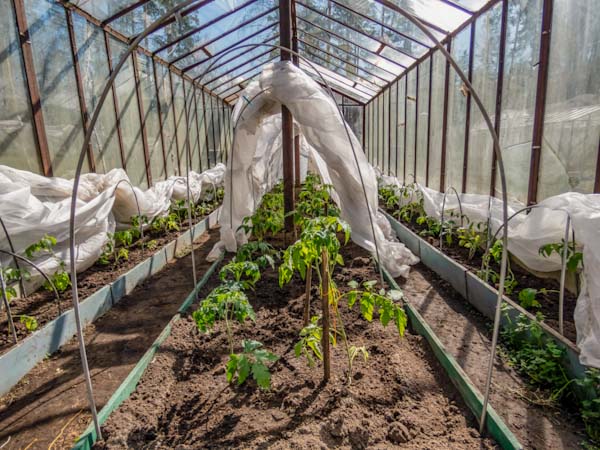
(115, 252)
(525, 345)
(406, 204)
(322, 234)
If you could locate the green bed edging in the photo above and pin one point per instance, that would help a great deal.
(473, 398)
(88, 438)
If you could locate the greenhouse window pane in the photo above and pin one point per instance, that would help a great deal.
(518, 94)
(484, 79)
(230, 70)
(129, 117)
(400, 161)
(339, 83)
(93, 67)
(58, 88)
(171, 32)
(103, 9)
(422, 121)
(17, 143)
(438, 13)
(166, 108)
(437, 118)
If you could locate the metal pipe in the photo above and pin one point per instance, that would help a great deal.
(498, 151)
(563, 273)
(107, 86)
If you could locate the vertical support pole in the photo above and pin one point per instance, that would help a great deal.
(445, 123)
(499, 89)
(9, 317)
(389, 130)
(79, 83)
(33, 88)
(429, 119)
(188, 148)
(540, 102)
(468, 112)
(296, 62)
(563, 274)
(416, 123)
(160, 118)
(325, 312)
(396, 124)
(597, 180)
(115, 101)
(212, 126)
(175, 122)
(405, 125)
(140, 104)
(287, 122)
(208, 166)
(363, 127)
(197, 127)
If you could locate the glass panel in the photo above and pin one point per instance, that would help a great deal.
(93, 65)
(518, 94)
(457, 112)
(17, 143)
(437, 119)
(103, 9)
(436, 12)
(370, 28)
(171, 32)
(386, 131)
(129, 117)
(339, 68)
(180, 119)
(166, 108)
(422, 121)
(209, 129)
(202, 131)
(380, 131)
(150, 117)
(342, 52)
(58, 89)
(572, 121)
(484, 79)
(236, 69)
(192, 130)
(337, 82)
(472, 5)
(411, 126)
(223, 45)
(393, 128)
(401, 125)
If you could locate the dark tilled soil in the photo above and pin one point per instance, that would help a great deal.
(49, 404)
(466, 334)
(43, 304)
(524, 279)
(400, 399)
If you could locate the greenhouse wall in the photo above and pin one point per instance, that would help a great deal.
(54, 66)
(527, 60)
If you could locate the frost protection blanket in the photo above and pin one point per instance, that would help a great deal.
(331, 138)
(528, 232)
(33, 205)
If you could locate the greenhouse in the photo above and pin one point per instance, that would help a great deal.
(299, 224)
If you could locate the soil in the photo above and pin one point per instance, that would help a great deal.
(401, 398)
(50, 403)
(43, 304)
(524, 279)
(466, 335)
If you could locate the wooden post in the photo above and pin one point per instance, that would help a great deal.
(306, 315)
(325, 311)
(287, 122)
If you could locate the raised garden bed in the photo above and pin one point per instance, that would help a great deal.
(20, 359)
(400, 397)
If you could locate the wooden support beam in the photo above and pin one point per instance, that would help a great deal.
(79, 83)
(540, 102)
(33, 88)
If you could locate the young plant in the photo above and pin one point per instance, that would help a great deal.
(528, 297)
(267, 219)
(472, 237)
(31, 323)
(574, 257)
(309, 344)
(112, 252)
(489, 275)
(253, 360)
(60, 278)
(259, 252)
(244, 273)
(590, 406)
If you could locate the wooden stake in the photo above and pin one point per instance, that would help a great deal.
(325, 310)
(306, 316)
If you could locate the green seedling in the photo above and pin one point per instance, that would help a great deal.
(574, 257)
(528, 297)
(60, 279)
(253, 360)
(259, 252)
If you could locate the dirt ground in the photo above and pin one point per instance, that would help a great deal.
(49, 404)
(401, 398)
(466, 334)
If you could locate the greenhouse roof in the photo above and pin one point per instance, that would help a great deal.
(358, 46)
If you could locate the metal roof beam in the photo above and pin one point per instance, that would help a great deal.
(124, 12)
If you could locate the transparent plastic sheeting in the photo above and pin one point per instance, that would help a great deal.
(528, 232)
(327, 145)
(33, 205)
